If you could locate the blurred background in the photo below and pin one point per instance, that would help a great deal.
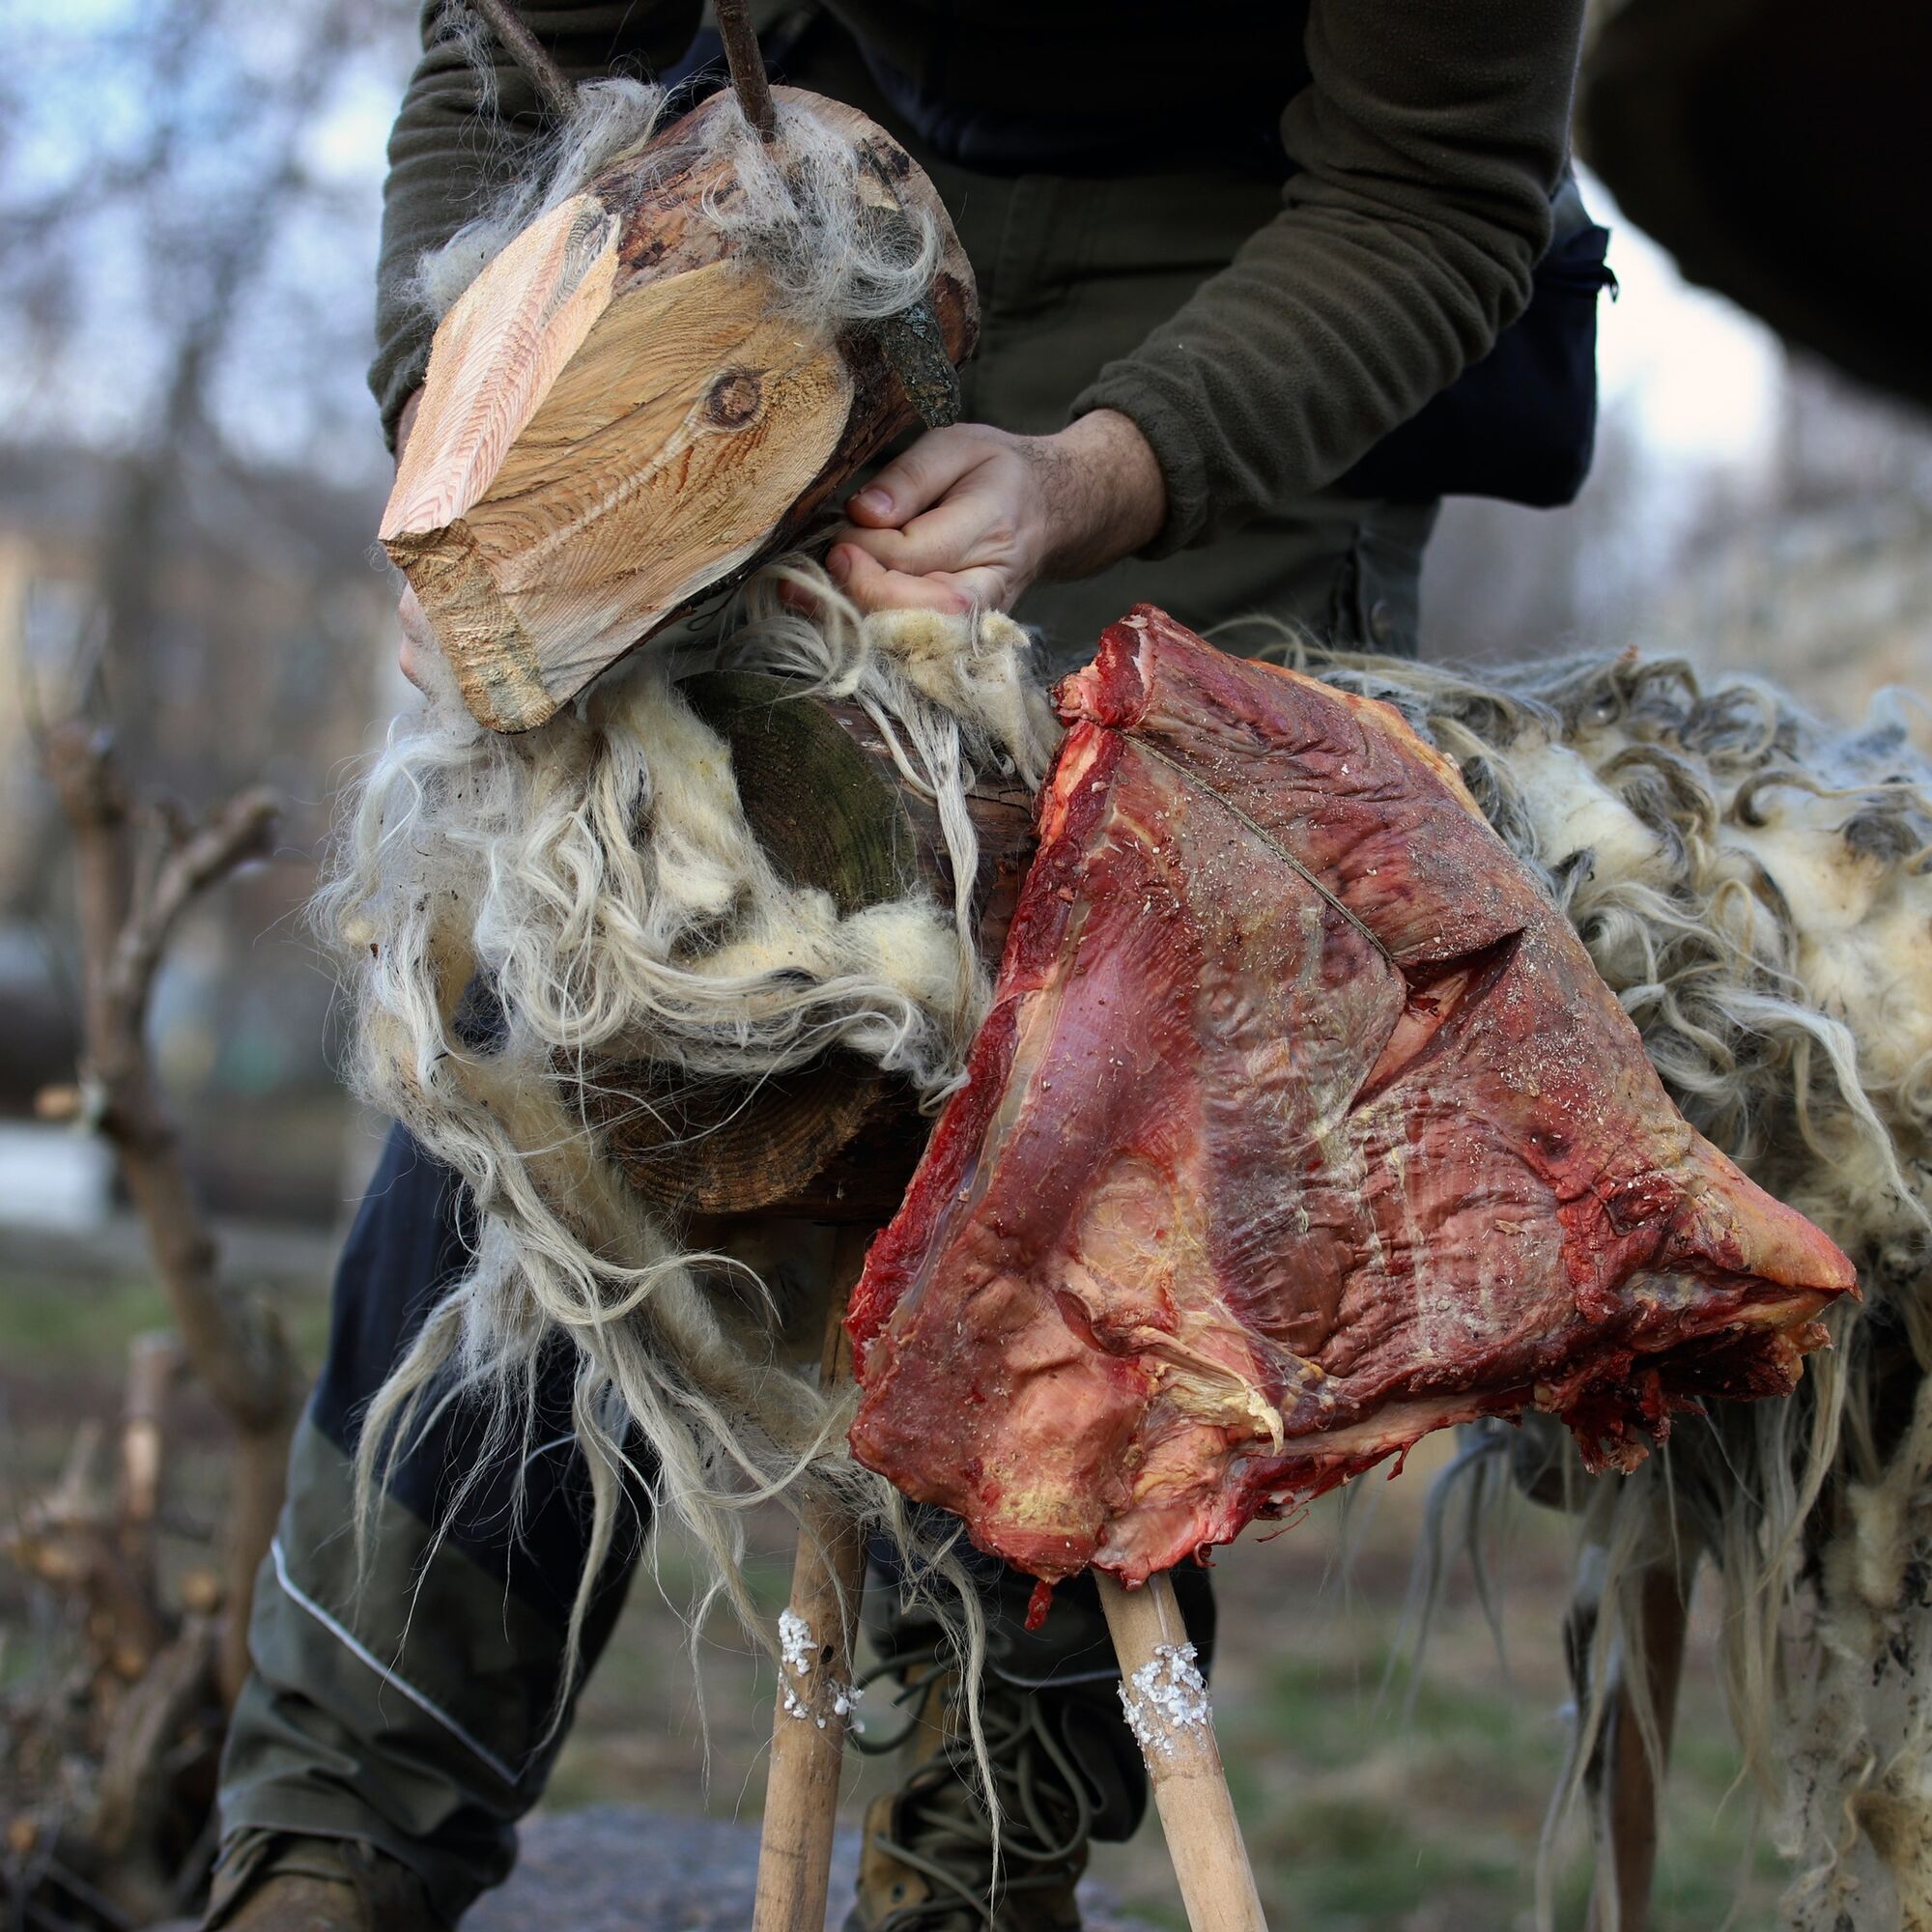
(191, 473)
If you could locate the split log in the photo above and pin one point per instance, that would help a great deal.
(834, 1140)
(616, 419)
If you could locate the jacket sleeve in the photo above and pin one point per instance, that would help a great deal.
(448, 153)
(1426, 150)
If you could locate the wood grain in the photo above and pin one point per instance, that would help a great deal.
(618, 420)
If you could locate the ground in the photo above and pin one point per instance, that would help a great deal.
(1370, 1803)
(621, 1868)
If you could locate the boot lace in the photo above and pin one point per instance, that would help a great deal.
(944, 1830)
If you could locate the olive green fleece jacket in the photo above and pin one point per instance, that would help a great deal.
(1423, 139)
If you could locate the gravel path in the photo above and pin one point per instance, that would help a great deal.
(623, 1869)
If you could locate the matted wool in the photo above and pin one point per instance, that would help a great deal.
(514, 910)
(1756, 886)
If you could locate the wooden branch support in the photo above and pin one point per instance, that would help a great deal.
(1625, 1780)
(748, 68)
(813, 1704)
(1167, 1706)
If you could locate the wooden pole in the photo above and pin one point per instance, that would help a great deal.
(1167, 1707)
(813, 1702)
(1626, 1782)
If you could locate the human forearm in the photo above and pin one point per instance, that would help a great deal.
(1426, 152)
(444, 161)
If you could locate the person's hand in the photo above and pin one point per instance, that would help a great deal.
(971, 516)
(415, 642)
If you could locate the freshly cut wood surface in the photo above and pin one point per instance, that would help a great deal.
(616, 421)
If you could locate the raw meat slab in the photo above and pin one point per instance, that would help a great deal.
(1302, 1125)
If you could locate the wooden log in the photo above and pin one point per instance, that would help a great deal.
(616, 421)
(814, 1705)
(1167, 1707)
(834, 1140)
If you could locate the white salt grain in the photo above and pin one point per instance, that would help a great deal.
(795, 1647)
(1166, 1699)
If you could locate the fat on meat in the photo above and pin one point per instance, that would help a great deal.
(1302, 1125)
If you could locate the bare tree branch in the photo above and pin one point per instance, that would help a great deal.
(195, 859)
(557, 88)
(126, 914)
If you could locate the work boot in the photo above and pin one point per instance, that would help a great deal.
(276, 1882)
(1066, 1769)
(927, 1864)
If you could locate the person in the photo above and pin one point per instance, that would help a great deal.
(1250, 278)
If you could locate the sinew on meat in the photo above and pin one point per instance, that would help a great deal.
(1302, 1125)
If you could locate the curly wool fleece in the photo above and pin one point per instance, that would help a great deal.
(1756, 886)
(1752, 883)
(598, 878)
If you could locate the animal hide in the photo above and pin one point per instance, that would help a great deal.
(1751, 885)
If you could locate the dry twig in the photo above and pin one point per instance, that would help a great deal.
(131, 896)
(748, 68)
(557, 88)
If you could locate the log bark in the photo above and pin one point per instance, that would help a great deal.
(618, 420)
(835, 1140)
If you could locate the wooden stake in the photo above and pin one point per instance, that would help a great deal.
(748, 68)
(1167, 1706)
(814, 1673)
(1626, 1782)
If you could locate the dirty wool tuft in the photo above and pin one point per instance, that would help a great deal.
(1302, 1125)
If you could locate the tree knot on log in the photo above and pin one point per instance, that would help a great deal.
(733, 399)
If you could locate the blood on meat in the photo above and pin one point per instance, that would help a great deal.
(1302, 1125)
